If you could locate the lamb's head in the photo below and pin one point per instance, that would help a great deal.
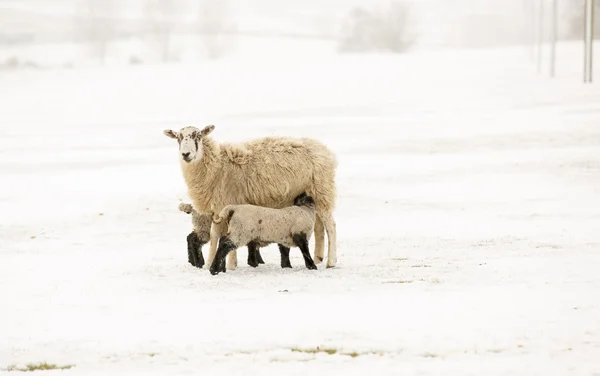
(304, 200)
(189, 139)
(186, 208)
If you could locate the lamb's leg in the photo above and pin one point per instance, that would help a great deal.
(329, 224)
(285, 256)
(195, 250)
(191, 247)
(218, 264)
(302, 243)
(259, 258)
(215, 234)
(319, 241)
(252, 251)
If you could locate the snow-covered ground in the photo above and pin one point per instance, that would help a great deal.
(468, 218)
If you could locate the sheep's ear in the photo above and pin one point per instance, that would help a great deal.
(207, 130)
(171, 133)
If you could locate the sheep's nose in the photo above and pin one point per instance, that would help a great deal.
(185, 155)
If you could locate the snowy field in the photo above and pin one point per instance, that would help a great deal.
(468, 218)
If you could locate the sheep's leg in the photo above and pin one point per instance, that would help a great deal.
(302, 243)
(191, 246)
(194, 246)
(330, 226)
(252, 251)
(215, 233)
(232, 260)
(218, 264)
(259, 258)
(285, 256)
(319, 240)
(200, 259)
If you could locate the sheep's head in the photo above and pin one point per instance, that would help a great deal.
(189, 140)
(304, 200)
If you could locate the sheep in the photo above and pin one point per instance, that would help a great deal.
(201, 235)
(245, 224)
(269, 172)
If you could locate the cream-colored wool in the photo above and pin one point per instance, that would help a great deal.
(268, 172)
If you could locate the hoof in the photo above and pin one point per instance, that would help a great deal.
(330, 266)
(318, 260)
(253, 264)
(283, 266)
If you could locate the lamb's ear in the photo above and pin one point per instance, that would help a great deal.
(171, 133)
(206, 131)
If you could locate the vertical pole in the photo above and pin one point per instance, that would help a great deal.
(554, 38)
(588, 40)
(530, 5)
(540, 35)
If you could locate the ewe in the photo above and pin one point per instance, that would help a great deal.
(268, 172)
(244, 224)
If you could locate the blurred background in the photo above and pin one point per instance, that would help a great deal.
(70, 33)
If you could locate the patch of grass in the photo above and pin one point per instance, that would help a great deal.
(315, 350)
(400, 259)
(552, 246)
(152, 355)
(420, 266)
(430, 355)
(399, 281)
(42, 366)
(331, 351)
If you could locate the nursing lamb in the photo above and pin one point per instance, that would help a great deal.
(244, 224)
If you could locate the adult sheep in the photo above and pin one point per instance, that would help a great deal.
(269, 172)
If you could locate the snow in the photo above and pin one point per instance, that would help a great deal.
(467, 217)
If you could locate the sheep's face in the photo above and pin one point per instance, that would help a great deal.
(189, 139)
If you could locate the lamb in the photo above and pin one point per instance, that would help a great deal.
(245, 224)
(268, 172)
(201, 235)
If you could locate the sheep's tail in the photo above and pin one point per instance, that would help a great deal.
(186, 208)
(225, 214)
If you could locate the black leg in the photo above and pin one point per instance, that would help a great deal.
(200, 258)
(285, 256)
(259, 258)
(195, 250)
(218, 264)
(252, 251)
(302, 243)
(191, 246)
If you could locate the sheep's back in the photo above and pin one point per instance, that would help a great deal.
(273, 173)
